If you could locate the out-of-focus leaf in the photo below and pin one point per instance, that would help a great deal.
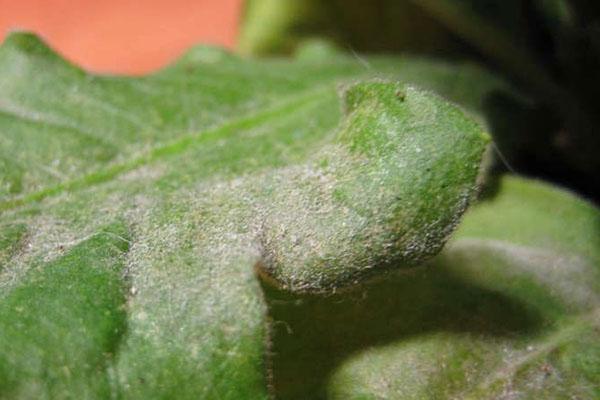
(550, 48)
(278, 26)
(495, 28)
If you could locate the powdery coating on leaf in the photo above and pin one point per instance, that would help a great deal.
(412, 370)
(195, 250)
(12, 237)
(51, 235)
(327, 223)
(390, 194)
(553, 351)
(210, 161)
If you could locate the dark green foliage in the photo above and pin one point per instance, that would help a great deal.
(61, 327)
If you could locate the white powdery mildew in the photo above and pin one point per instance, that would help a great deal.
(193, 257)
(146, 172)
(330, 222)
(47, 239)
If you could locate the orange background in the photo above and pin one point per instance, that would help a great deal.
(123, 36)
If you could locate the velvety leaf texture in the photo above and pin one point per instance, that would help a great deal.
(234, 228)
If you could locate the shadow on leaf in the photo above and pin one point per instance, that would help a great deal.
(312, 334)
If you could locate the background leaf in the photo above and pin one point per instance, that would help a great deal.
(550, 50)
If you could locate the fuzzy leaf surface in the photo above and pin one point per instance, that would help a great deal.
(156, 220)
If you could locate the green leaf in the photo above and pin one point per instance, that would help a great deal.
(11, 238)
(62, 324)
(234, 182)
(510, 306)
(276, 26)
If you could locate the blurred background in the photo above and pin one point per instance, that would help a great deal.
(123, 36)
